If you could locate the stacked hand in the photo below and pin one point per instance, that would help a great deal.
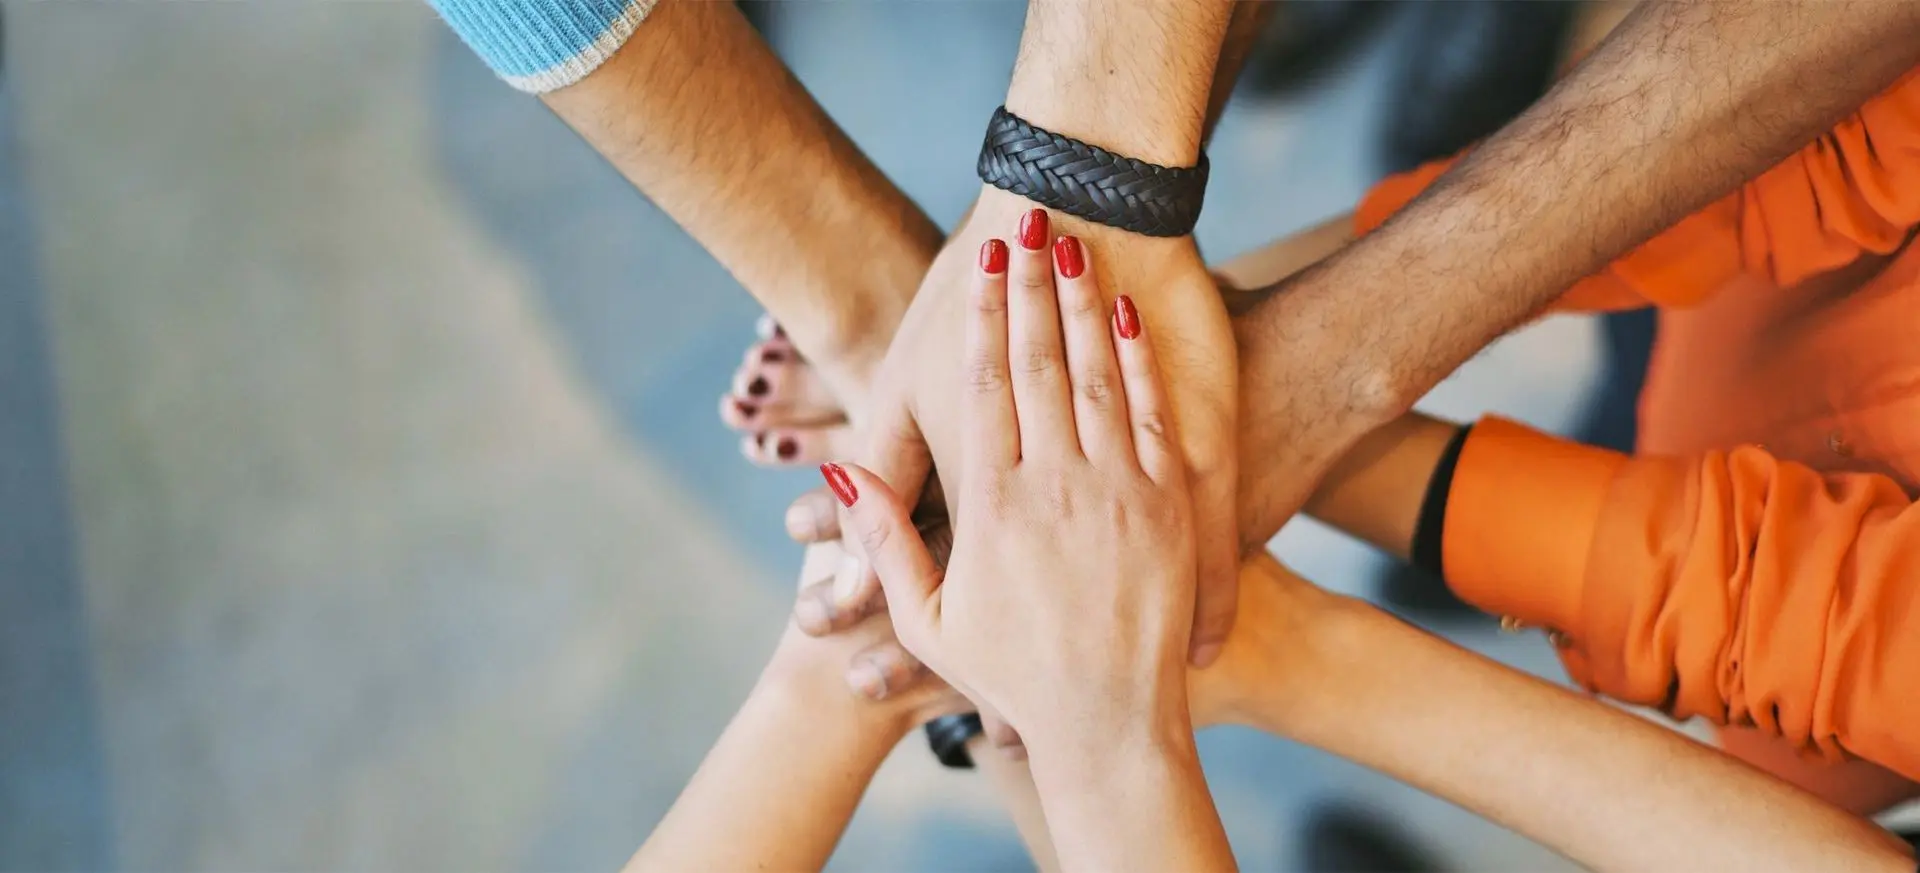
(917, 425)
(1065, 605)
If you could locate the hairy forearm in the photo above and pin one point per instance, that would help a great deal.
(700, 115)
(1605, 788)
(1682, 103)
(757, 803)
(1133, 78)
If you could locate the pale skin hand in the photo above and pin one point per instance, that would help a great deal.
(756, 805)
(1681, 103)
(1133, 78)
(1065, 604)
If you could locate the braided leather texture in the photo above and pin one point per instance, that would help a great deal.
(1089, 181)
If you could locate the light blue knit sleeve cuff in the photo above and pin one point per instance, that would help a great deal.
(542, 45)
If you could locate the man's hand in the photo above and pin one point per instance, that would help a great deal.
(917, 424)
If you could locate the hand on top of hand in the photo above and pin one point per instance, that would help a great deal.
(917, 424)
(1066, 604)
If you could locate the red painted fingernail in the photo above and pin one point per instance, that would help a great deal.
(758, 387)
(787, 449)
(760, 440)
(1126, 317)
(773, 356)
(746, 410)
(1033, 230)
(993, 257)
(842, 486)
(1068, 257)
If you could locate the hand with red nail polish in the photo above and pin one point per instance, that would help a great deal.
(1066, 604)
(916, 427)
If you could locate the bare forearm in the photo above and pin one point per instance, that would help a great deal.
(1133, 78)
(756, 804)
(699, 114)
(1146, 808)
(1013, 784)
(1683, 102)
(1607, 789)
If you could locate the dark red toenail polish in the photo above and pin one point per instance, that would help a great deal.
(842, 486)
(746, 410)
(773, 356)
(788, 449)
(758, 387)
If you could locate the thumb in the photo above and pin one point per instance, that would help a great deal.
(898, 457)
(878, 516)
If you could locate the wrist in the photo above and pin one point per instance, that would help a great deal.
(1153, 106)
(808, 677)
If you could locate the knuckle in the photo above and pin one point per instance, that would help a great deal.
(1096, 387)
(874, 536)
(1155, 426)
(1039, 359)
(986, 375)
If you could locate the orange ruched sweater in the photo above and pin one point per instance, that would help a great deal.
(1757, 562)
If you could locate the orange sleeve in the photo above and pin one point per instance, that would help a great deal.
(1853, 191)
(1732, 586)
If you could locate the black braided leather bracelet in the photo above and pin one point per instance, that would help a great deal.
(1090, 182)
(948, 735)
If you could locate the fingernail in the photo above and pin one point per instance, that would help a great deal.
(788, 449)
(846, 580)
(1068, 257)
(810, 616)
(801, 524)
(993, 257)
(871, 681)
(746, 410)
(1125, 317)
(1205, 654)
(758, 387)
(1033, 230)
(773, 356)
(842, 486)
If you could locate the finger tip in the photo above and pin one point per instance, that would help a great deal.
(1204, 654)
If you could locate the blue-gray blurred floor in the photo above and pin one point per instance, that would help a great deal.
(362, 503)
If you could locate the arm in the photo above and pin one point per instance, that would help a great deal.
(1607, 789)
(1133, 78)
(1853, 191)
(1120, 806)
(1676, 107)
(1730, 585)
(699, 114)
(757, 802)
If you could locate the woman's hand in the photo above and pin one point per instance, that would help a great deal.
(1066, 604)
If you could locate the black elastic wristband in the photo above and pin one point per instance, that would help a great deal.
(1090, 182)
(1430, 532)
(948, 736)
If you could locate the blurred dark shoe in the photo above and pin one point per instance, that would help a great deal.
(1473, 66)
(1343, 839)
(1305, 40)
